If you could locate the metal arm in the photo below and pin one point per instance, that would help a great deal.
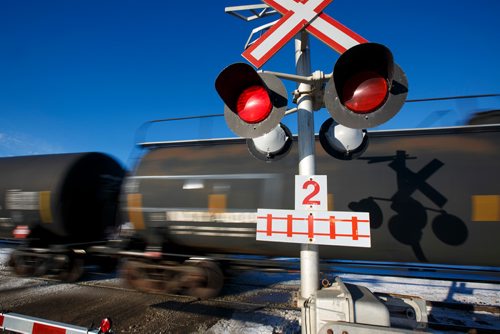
(316, 77)
(257, 11)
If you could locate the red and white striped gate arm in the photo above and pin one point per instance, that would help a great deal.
(19, 323)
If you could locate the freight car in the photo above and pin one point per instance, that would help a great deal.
(64, 204)
(433, 196)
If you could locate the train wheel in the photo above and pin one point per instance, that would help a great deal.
(42, 267)
(72, 270)
(205, 281)
(22, 265)
(138, 276)
(132, 274)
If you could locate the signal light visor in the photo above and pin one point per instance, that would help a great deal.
(253, 104)
(365, 92)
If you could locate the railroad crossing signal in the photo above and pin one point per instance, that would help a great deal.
(365, 90)
(367, 87)
(254, 104)
(298, 14)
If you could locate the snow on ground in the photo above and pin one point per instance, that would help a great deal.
(429, 289)
(277, 321)
(4, 257)
(259, 322)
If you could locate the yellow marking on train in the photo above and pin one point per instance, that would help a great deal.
(330, 202)
(217, 203)
(44, 207)
(134, 204)
(486, 208)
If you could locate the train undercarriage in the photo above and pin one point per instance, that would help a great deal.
(141, 270)
(197, 277)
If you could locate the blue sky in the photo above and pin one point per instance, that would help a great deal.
(84, 75)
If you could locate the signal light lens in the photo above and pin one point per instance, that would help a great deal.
(254, 104)
(365, 92)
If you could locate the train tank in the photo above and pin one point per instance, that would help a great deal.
(60, 198)
(433, 196)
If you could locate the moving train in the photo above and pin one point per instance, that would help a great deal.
(433, 196)
(60, 205)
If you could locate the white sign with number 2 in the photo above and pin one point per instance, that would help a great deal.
(311, 193)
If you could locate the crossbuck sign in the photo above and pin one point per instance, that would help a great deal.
(297, 15)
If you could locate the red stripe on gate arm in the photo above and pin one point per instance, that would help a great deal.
(46, 329)
(332, 227)
(269, 229)
(289, 226)
(355, 233)
(310, 226)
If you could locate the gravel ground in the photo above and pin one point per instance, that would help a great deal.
(136, 312)
(99, 296)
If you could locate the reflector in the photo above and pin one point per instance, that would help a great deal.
(253, 104)
(105, 326)
(365, 92)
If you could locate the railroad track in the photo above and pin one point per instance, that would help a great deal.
(410, 270)
(417, 270)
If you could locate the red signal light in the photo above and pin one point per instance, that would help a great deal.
(365, 92)
(254, 104)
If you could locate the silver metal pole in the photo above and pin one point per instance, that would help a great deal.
(309, 259)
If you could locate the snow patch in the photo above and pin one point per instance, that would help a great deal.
(259, 322)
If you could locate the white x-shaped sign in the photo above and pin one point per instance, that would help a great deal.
(297, 15)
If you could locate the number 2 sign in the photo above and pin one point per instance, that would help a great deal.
(311, 193)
